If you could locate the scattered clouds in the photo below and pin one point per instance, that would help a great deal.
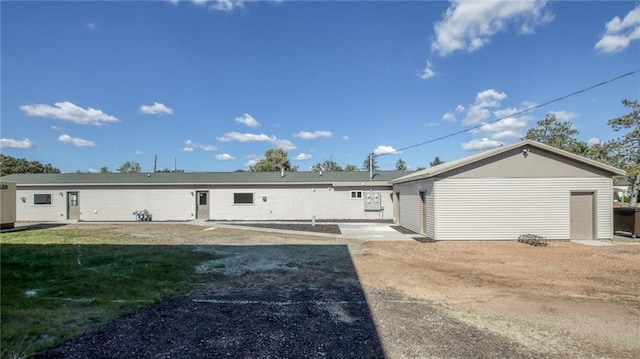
(479, 111)
(224, 157)
(220, 5)
(619, 33)
(507, 128)
(481, 144)
(345, 138)
(305, 135)
(139, 153)
(248, 120)
(156, 109)
(428, 72)
(18, 144)
(76, 141)
(452, 115)
(470, 25)
(252, 160)
(93, 170)
(303, 157)
(383, 150)
(67, 111)
(190, 146)
(251, 137)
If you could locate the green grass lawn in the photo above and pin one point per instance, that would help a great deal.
(57, 284)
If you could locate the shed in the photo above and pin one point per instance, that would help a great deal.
(8, 202)
(525, 187)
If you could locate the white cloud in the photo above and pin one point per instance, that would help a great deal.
(480, 144)
(383, 150)
(303, 157)
(139, 153)
(564, 115)
(345, 138)
(246, 137)
(56, 128)
(433, 124)
(78, 142)
(21, 144)
(252, 137)
(227, 5)
(313, 135)
(479, 111)
(248, 120)
(594, 141)
(428, 72)
(224, 157)
(285, 145)
(619, 33)
(449, 117)
(190, 146)
(93, 170)
(156, 109)
(67, 111)
(470, 25)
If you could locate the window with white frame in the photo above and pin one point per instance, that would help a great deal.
(356, 194)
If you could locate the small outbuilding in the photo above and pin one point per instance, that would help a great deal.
(500, 194)
(8, 202)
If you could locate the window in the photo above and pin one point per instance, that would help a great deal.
(73, 199)
(356, 194)
(202, 198)
(42, 198)
(243, 198)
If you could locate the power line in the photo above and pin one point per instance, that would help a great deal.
(517, 113)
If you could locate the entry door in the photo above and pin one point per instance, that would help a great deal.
(423, 213)
(582, 215)
(202, 205)
(73, 205)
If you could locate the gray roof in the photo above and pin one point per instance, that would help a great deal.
(448, 166)
(219, 178)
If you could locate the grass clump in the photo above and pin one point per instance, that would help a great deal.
(57, 284)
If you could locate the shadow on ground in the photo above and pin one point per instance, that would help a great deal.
(289, 301)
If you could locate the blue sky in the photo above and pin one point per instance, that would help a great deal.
(214, 84)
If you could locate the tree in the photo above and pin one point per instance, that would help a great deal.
(625, 150)
(559, 134)
(436, 161)
(104, 169)
(371, 160)
(401, 165)
(351, 168)
(9, 165)
(274, 159)
(327, 166)
(129, 167)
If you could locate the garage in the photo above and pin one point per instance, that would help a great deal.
(525, 187)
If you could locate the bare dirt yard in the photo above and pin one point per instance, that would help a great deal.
(277, 295)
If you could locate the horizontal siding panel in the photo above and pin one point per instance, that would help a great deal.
(409, 206)
(504, 208)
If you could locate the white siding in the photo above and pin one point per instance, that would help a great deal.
(410, 205)
(504, 208)
(27, 211)
(298, 203)
(168, 203)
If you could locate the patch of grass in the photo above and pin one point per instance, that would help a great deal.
(58, 284)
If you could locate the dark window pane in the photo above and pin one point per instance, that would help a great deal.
(42, 198)
(202, 199)
(243, 198)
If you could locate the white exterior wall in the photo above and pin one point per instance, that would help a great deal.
(27, 211)
(168, 203)
(505, 208)
(119, 204)
(298, 203)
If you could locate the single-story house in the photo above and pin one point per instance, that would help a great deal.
(207, 196)
(500, 194)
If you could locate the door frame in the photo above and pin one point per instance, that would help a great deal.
(594, 217)
(76, 216)
(208, 205)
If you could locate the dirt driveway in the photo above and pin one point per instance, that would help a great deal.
(280, 296)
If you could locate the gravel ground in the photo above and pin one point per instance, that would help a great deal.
(284, 295)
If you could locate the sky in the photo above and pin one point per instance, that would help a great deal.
(211, 85)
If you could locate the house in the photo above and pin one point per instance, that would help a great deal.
(621, 189)
(207, 196)
(500, 194)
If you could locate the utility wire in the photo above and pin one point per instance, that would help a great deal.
(513, 114)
